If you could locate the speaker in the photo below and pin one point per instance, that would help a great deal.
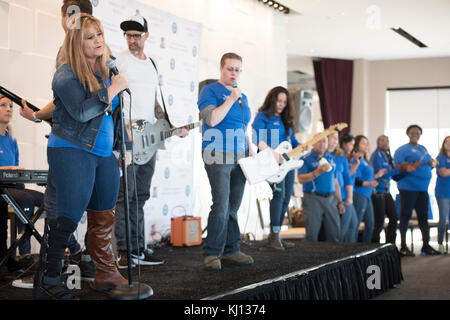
(186, 231)
(303, 104)
(205, 83)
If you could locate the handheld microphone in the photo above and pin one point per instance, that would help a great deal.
(112, 67)
(235, 85)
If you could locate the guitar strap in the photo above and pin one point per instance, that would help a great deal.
(162, 96)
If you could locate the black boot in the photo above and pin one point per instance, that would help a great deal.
(48, 284)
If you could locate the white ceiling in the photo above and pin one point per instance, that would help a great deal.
(360, 29)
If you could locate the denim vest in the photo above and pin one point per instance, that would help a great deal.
(78, 114)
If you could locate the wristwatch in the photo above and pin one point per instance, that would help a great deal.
(36, 119)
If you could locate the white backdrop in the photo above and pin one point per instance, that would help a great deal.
(174, 46)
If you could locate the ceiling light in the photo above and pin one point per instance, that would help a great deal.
(409, 37)
(276, 5)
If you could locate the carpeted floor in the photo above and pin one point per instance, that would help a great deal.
(183, 277)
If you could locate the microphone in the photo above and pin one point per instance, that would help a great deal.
(112, 67)
(235, 85)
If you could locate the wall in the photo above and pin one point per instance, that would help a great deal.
(31, 33)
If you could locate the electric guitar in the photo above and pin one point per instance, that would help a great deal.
(18, 100)
(149, 137)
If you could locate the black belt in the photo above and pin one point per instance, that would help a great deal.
(324, 195)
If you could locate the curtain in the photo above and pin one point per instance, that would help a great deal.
(334, 80)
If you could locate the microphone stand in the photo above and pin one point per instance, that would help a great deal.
(132, 291)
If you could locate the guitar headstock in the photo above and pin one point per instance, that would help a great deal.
(337, 127)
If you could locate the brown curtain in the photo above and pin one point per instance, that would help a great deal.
(334, 80)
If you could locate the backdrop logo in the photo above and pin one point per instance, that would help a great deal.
(192, 87)
(170, 99)
(174, 27)
(194, 51)
(188, 191)
(165, 210)
(172, 64)
(167, 173)
(95, 2)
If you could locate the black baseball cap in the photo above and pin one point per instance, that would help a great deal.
(137, 23)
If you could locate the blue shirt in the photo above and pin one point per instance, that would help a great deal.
(442, 189)
(419, 179)
(105, 138)
(364, 173)
(271, 131)
(228, 135)
(9, 152)
(325, 182)
(342, 174)
(380, 161)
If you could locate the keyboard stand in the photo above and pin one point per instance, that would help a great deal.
(29, 228)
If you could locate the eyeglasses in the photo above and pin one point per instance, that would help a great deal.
(136, 36)
(237, 70)
(4, 105)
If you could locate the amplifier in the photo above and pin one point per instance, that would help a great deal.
(186, 231)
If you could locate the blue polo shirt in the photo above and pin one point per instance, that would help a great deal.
(229, 135)
(9, 152)
(419, 179)
(364, 173)
(442, 189)
(325, 182)
(271, 130)
(342, 173)
(380, 161)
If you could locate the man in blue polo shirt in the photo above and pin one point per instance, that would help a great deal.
(322, 197)
(225, 112)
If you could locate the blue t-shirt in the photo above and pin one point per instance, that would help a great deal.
(380, 161)
(342, 174)
(323, 183)
(364, 173)
(442, 189)
(271, 131)
(229, 135)
(9, 152)
(419, 179)
(105, 138)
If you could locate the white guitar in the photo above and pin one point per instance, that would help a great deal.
(150, 137)
(254, 175)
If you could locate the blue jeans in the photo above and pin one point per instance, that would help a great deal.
(349, 225)
(364, 212)
(444, 213)
(83, 181)
(52, 212)
(227, 188)
(280, 201)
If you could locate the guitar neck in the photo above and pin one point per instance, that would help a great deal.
(171, 132)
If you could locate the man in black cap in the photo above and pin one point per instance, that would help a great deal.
(143, 80)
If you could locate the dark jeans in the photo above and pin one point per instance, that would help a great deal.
(227, 188)
(280, 201)
(27, 200)
(410, 200)
(384, 205)
(52, 212)
(83, 181)
(144, 174)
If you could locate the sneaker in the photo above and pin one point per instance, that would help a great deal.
(428, 250)
(405, 252)
(13, 265)
(238, 258)
(24, 283)
(442, 249)
(212, 263)
(27, 261)
(122, 261)
(145, 258)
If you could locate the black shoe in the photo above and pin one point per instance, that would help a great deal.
(87, 268)
(13, 265)
(405, 252)
(428, 250)
(52, 289)
(145, 258)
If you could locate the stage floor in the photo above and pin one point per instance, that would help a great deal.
(182, 276)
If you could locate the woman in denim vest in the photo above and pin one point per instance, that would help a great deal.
(80, 155)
